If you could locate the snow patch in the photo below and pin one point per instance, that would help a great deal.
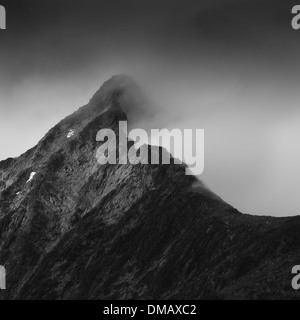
(32, 174)
(70, 133)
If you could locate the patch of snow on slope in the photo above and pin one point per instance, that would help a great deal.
(32, 174)
(71, 133)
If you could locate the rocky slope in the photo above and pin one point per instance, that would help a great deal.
(73, 229)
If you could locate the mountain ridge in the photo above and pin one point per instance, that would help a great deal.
(78, 230)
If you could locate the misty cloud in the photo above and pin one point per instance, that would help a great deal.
(229, 67)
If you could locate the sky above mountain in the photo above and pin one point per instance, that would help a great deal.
(227, 66)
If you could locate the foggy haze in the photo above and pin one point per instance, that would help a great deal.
(227, 66)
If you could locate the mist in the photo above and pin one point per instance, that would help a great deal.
(228, 67)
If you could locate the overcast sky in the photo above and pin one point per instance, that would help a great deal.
(230, 67)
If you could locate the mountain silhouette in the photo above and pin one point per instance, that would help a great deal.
(73, 229)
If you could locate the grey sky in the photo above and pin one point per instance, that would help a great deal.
(228, 66)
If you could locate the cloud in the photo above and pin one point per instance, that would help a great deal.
(228, 66)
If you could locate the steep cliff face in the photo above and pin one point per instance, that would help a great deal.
(73, 229)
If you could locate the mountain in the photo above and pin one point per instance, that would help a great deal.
(73, 229)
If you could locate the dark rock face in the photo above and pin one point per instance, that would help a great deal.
(79, 230)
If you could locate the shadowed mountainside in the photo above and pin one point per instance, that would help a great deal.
(79, 230)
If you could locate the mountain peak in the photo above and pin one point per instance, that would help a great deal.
(122, 92)
(113, 88)
(71, 228)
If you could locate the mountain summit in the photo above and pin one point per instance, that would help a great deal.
(73, 229)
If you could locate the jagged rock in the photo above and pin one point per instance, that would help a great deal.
(79, 230)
